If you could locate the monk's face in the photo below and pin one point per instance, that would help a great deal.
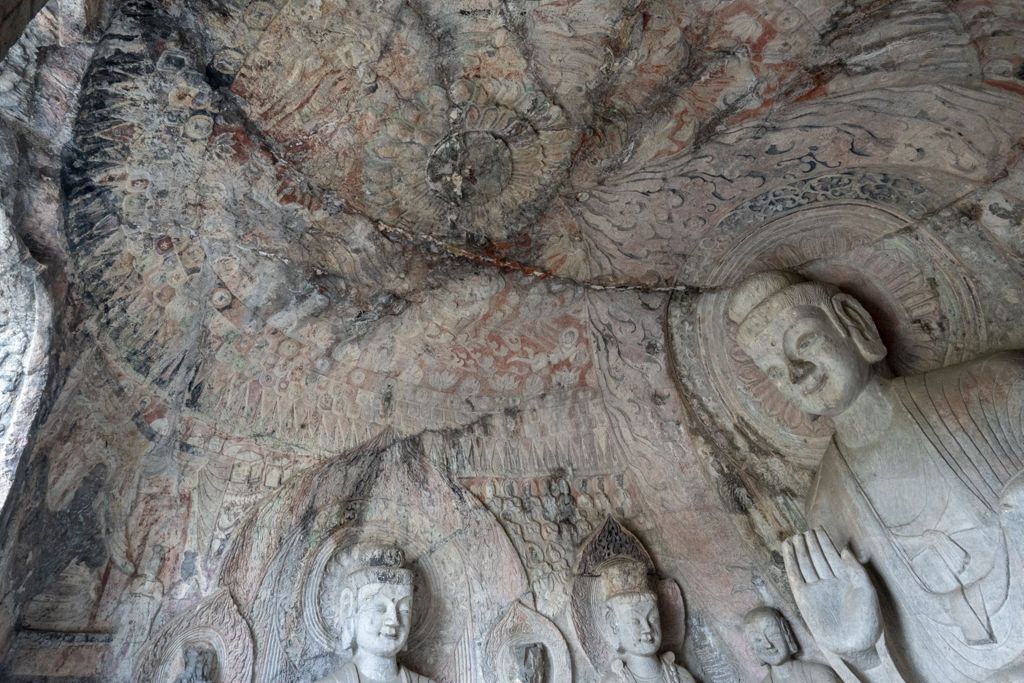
(811, 359)
(384, 618)
(768, 638)
(635, 621)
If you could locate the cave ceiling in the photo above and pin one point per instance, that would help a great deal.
(274, 232)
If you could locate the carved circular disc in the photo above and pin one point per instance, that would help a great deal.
(469, 167)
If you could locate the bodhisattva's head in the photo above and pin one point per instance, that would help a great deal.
(376, 603)
(815, 343)
(769, 636)
(630, 607)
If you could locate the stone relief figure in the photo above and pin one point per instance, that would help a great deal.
(200, 665)
(774, 645)
(633, 626)
(918, 481)
(376, 607)
(531, 663)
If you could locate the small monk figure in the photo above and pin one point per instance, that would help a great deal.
(774, 645)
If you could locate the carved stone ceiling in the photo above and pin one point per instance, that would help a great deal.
(277, 230)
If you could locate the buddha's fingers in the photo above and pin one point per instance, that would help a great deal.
(796, 577)
(803, 558)
(817, 556)
(829, 549)
(856, 570)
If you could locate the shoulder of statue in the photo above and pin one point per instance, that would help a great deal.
(616, 673)
(821, 672)
(994, 382)
(346, 673)
(1007, 367)
(1002, 366)
(414, 677)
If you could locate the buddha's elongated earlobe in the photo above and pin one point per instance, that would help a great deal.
(852, 317)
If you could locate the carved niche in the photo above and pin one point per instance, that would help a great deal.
(524, 647)
(286, 558)
(612, 541)
(211, 639)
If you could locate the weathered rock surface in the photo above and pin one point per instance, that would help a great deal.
(295, 243)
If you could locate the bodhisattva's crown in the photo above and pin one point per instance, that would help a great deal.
(623, 576)
(381, 564)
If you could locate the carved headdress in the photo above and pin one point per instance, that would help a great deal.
(380, 564)
(623, 575)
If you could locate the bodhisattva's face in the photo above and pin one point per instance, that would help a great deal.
(811, 361)
(383, 618)
(636, 623)
(768, 639)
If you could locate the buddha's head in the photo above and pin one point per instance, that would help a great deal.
(630, 607)
(815, 343)
(769, 636)
(376, 602)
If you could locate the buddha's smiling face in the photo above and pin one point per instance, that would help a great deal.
(383, 618)
(811, 360)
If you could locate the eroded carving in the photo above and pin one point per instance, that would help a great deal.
(210, 640)
(547, 519)
(524, 647)
(200, 665)
(916, 480)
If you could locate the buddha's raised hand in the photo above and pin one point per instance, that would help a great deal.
(834, 594)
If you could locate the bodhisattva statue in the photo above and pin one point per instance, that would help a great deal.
(633, 626)
(376, 609)
(774, 645)
(922, 482)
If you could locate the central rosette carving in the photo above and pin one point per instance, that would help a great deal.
(484, 167)
(470, 167)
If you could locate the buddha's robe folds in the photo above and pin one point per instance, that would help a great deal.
(348, 673)
(921, 506)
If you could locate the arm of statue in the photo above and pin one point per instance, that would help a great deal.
(840, 605)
